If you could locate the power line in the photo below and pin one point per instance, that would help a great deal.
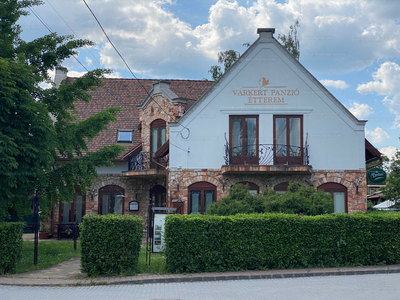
(148, 94)
(126, 64)
(72, 31)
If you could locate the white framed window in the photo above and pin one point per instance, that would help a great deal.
(125, 136)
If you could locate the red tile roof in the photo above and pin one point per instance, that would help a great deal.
(128, 93)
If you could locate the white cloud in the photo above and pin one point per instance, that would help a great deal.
(377, 136)
(389, 151)
(339, 84)
(361, 110)
(75, 74)
(386, 82)
(80, 74)
(336, 36)
(89, 62)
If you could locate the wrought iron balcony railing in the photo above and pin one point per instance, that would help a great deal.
(144, 161)
(266, 154)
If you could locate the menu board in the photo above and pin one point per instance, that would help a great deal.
(158, 234)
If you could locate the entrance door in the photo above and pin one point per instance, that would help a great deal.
(158, 196)
(243, 140)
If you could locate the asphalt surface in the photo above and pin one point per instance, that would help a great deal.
(365, 287)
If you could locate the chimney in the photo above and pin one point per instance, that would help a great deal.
(61, 74)
(266, 33)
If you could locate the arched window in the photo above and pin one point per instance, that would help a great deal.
(253, 188)
(339, 196)
(281, 188)
(158, 135)
(201, 196)
(111, 200)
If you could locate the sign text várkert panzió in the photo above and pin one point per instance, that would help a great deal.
(265, 94)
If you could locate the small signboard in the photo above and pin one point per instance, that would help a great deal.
(377, 175)
(133, 206)
(158, 237)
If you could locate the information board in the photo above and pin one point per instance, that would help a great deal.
(158, 234)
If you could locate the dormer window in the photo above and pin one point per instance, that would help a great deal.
(125, 136)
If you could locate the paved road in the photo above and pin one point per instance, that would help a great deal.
(379, 286)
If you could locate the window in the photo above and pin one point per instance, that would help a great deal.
(288, 140)
(125, 136)
(253, 188)
(73, 211)
(339, 196)
(201, 196)
(281, 188)
(243, 139)
(158, 135)
(111, 200)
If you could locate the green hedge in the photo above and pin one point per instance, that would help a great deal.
(269, 241)
(10, 245)
(110, 244)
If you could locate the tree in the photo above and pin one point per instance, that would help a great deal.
(290, 42)
(227, 58)
(238, 201)
(304, 200)
(33, 144)
(392, 189)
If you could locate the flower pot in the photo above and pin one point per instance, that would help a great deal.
(42, 235)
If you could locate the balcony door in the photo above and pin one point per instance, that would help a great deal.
(243, 140)
(158, 138)
(288, 140)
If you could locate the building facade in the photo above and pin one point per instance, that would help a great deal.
(266, 122)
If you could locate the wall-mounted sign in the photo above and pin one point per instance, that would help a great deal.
(133, 206)
(264, 93)
(376, 175)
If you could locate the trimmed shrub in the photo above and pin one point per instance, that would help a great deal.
(304, 200)
(269, 241)
(110, 244)
(10, 245)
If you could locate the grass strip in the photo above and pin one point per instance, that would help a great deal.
(49, 253)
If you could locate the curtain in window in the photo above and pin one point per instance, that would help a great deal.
(251, 138)
(339, 202)
(280, 128)
(78, 207)
(163, 136)
(237, 137)
(195, 204)
(208, 200)
(294, 125)
(66, 212)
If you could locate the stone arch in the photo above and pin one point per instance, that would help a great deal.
(198, 178)
(110, 180)
(332, 177)
(299, 179)
(251, 179)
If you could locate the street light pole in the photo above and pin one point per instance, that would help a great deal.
(35, 204)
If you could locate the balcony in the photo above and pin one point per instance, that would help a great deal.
(266, 158)
(143, 164)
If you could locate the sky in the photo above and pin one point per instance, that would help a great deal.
(351, 46)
